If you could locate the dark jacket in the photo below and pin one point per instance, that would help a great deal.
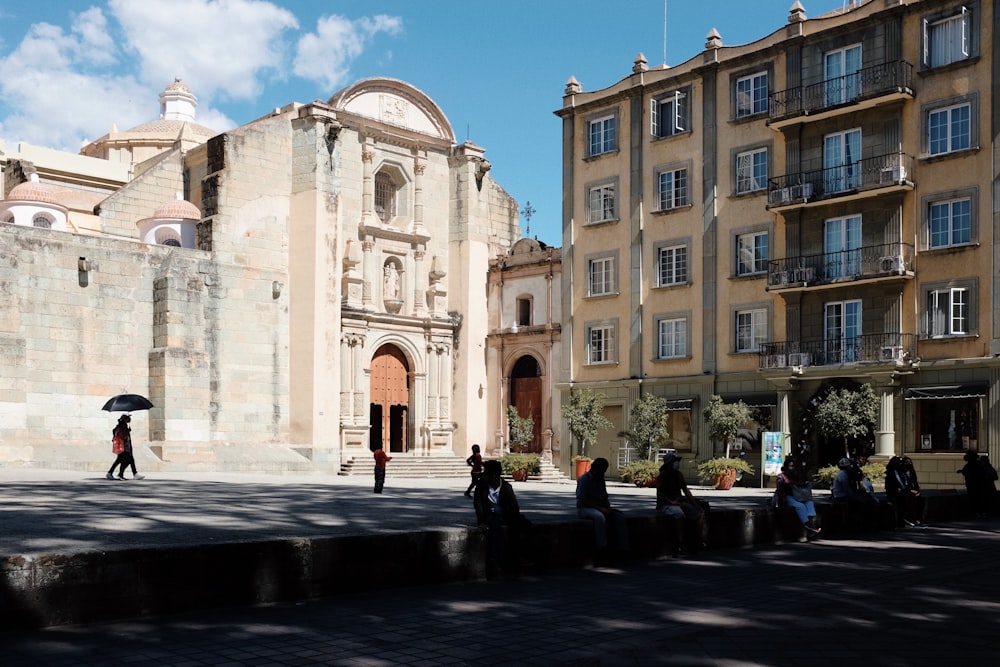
(508, 502)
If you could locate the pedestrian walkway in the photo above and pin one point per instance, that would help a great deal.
(906, 598)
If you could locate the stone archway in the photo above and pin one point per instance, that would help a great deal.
(526, 395)
(390, 400)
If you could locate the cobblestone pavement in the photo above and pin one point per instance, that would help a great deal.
(926, 597)
(914, 597)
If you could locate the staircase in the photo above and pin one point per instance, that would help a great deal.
(438, 467)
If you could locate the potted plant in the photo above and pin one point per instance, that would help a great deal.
(847, 414)
(581, 464)
(520, 429)
(584, 415)
(521, 466)
(725, 420)
(649, 426)
(641, 473)
(721, 471)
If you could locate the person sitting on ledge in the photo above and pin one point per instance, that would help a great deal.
(496, 506)
(592, 503)
(674, 499)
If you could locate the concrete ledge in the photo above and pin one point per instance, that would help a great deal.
(92, 586)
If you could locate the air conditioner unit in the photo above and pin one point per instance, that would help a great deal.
(803, 275)
(800, 359)
(777, 279)
(890, 264)
(802, 191)
(778, 197)
(892, 353)
(892, 175)
(775, 361)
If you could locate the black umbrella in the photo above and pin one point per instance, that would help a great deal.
(127, 403)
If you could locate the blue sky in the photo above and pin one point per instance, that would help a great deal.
(72, 68)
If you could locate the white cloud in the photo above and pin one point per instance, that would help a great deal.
(219, 47)
(325, 55)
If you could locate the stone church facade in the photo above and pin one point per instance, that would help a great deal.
(321, 288)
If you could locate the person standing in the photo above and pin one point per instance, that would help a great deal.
(902, 488)
(122, 433)
(592, 503)
(381, 458)
(476, 462)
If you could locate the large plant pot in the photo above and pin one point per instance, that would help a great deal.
(724, 481)
(582, 467)
(520, 475)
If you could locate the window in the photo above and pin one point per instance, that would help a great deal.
(842, 331)
(948, 312)
(672, 266)
(672, 187)
(950, 423)
(385, 197)
(948, 40)
(751, 171)
(751, 253)
(751, 95)
(671, 338)
(751, 329)
(602, 203)
(842, 247)
(668, 115)
(949, 129)
(950, 223)
(601, 276)
(601, 343)
(524, 312)
(841, 74)
(841, 161)
(602, 135)
(42, 221)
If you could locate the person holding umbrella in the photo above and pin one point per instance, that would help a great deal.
(121, 438)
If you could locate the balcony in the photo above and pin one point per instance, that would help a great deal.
(865, 178)
(884, 348)
(866, 88)
(868, 263)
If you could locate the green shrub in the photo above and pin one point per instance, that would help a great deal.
(511, 462)
(640, 473)
(717, 466)
(823, 479)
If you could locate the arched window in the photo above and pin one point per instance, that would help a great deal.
(385, 197)
(168, 237)
(42, 221)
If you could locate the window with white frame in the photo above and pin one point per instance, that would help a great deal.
(751, 95)
(751, 253)
(42, 221)
(601, 343)
(672, 188)
(602, 203)
(751, 329)
(672, 265)
(671, 338)
(601, 132)
(949, 223)
(668, 115)
(601, 273)
(949, 312)
(949, 129)
(751, 171)
(948, 39)
(842, 161)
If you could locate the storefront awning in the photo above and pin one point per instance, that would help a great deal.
(679, 403)
(952, 391)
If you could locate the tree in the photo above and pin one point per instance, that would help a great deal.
(847, 413)
(725, 420)
(649, 426)
(585, 416)
(521, 430)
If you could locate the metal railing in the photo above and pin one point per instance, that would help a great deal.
(887, 259)
(868, 174)
(867, 83)
(886, 348)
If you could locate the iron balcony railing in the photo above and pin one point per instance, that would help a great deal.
(871, 173)
(868, 83)
(876, 261)
(885, 348)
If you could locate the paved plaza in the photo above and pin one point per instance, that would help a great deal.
(914, 597)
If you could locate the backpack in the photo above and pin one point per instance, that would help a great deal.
(117, 444)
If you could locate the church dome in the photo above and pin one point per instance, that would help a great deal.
(178, 209)
(32, 191)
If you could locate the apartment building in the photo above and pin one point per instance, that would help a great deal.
(775, 221)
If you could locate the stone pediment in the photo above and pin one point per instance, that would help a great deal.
(394, 103)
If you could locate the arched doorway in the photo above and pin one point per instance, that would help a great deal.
(390, 400)
(526, 395)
